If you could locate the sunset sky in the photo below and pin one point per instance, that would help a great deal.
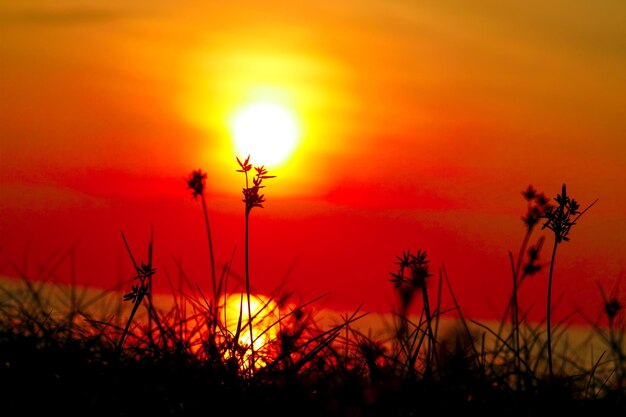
(420, 122)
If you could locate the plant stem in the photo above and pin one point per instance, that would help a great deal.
(515, 270)
(248, 209)
(522, 250)
(208, 232)
(431, 338)
(615, 344)
(548, 315)
(517, 280)
(515, 321)
(152, 313)
(248, 296)
(130, 319)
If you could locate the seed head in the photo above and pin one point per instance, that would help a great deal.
(417, 264)
(137, 292)
(538, 204)
(561, 218)
(612, 307)
(251, 196)
(196, 182)
(145, 271)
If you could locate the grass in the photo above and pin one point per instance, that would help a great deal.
(68, 350)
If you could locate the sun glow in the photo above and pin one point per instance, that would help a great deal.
(277, 111)
(266, 131)
(264, 318)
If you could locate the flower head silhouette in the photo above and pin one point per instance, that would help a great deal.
(561, 218)
(251, 196)
(196, 182)
(538, 205)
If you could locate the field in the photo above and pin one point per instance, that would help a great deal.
(71, 350)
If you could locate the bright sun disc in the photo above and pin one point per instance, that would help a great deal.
(267, 132)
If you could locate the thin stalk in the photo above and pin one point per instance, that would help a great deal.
(431, 338)
(516, 272)
(438, 309)
(248, 285)
(617, 352)
(130, 319)
(548, 313)
(522, 250)
(150, 287)
(226, 283)
(73, 300)
(515, 321)
(481, 365)
(153, 314)
(208, 232)
(404, 341)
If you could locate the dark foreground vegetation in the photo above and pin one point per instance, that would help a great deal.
(68, 351)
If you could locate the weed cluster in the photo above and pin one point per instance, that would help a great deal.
(63, 350)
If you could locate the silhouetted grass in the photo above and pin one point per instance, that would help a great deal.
(84, 352)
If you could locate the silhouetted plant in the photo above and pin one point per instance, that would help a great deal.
(559, 219)
(617, 332)
(198, 361)
(138, 291)
(197, 183)
(537, 206)
(407, 284)
(251, 198)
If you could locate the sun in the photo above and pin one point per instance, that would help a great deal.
(265, 316)
(267, 132)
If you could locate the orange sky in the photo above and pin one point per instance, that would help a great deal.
(421, 121)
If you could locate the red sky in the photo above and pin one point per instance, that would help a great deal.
(421, 123)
